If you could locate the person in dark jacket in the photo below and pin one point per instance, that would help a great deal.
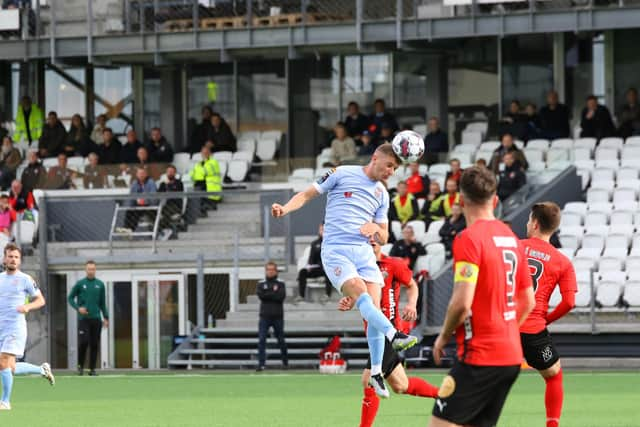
(435, 142)
(512, 178)
(532, 119)
(220, 136)
(507, 146)
(272, 293)
(355, 122)
(408, 248)
(34, 175)
(554, 118)
(172, 209)
(379, 117)
(452, 227)
(129, 151)
(201, 131)
(514, 122)
(109, 150)
(53, 136)
(77, 138)
(368, 146)
(630, 115)
(313, 269)
(596, 120)
(159, 149)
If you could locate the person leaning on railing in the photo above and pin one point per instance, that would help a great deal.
(206, 177)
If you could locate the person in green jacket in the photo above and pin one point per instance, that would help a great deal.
(206, 177)
(29, 121)
(88, 298)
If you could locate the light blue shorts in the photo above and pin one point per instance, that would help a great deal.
(13, 342)
(342, 263)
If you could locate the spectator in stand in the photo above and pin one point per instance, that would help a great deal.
(60, 177)
(7, 215)
(435, 142)
(481, 163)
(97, 134)
(431, 210)
(94, 175)
(386, 133)
(596, 120)
(142, 184)
(78, 141)
(220, 136)
(154, 169)
(416, 184)
(20, 199)
(10, 157)
(109, 150)
(34, 175)
(202, 130)
(53, 137)
(533, 122)
(205, 176)
(408, 248)
(554, 118)
(630, 115)
(314, 269)
(29, 121)
(272, 293)
(355, 122)
(159, 149)
(129, 151)
(368, 146)
(172, 210)
(511, 178)
(380, 116)
(514, 122)
(342, 147)
(404, 206)
(455, 171)
(507, 146)
(452, 227)
(445, 202)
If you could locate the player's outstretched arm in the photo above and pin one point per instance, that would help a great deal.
(296, 202)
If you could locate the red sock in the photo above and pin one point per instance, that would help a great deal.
(553, 397)
(419, 387)
(370, 405)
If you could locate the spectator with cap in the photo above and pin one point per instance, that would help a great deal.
(343, 148)
(368, 146)
(408, 247)
(435, 141)
(159, 149)
(53, 136)
(220, 137)
(94, 175)
(416, 184)
(511, 178)
(129, 151)
(109, 150)
(452, 227)
(379, 117)
(356, 123)
(20, 199)
(404, 206)
(630, 115)
(596, 120)
(202, 130)
(60, 177)
(34, 175)
(554, 118)
(507, 145)
(97, 134)
(173, 207)
(29, 121)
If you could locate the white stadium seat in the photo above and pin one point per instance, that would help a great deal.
(632, 141)
(603, 174)
(540, 144)
(632, 294)
(247, 156)
(595, 195)
(303, 174)
(621, 195)
(627, 173)
(489, 146)
(581, 154)
(575, 207)
(608, 294)
(589, 253)
(613, 276)
(633, 274)
(603, 184)
(607, 264)
(238, 170)
(533, 155)
(266, 148)
(555, 298)
(557, 154)
(589, 143)
(606, 154)
(534, 166)
(396, 229)
(583, 264)
(439, 169)
(570, 219)
(608, 163)
(583, 296)
(612, 142)
(182, 161)
(592, 241)
(567, 251)
(594, 218)
(226, 156)
(605, 207)
(418, 227)
(562, 143)
(588, 164)
(247, 145)
(621, 217)
(471, 138)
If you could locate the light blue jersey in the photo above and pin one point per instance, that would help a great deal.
(353, 199)
(14, 291)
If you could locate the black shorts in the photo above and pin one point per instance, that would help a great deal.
(474, 395)
(539, 350)
(390, 359)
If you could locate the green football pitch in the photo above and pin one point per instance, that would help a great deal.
(595, 399)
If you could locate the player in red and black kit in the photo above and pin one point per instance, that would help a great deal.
(396, 273)
(492, 296)
(549, 268)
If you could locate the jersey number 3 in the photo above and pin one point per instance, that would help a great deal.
(511, 260)
(536, 268)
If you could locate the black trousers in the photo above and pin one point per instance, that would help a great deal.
(312, 273)
(277, 323)
(88, 336)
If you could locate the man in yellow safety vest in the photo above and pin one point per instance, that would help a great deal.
(29, 121)
(206, 177)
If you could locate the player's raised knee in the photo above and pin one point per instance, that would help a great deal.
(354, 287)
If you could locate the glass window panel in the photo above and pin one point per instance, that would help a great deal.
(213, 86)
(64, 97)
(410, 86)
(324, 91)
(114, 85)
(366, 78)
(262, 95)
(151, 100)
(627, 63)
(584, 70)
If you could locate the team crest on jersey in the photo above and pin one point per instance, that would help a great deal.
(326, 176)
(337, 271)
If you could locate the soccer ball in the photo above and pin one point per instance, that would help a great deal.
(408, 146)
